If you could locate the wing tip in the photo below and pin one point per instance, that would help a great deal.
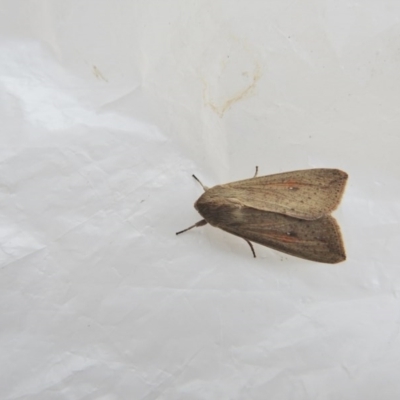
(338, 249)
(338, 258)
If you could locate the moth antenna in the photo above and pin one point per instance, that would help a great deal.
(198, 180)
(200, 223)
(256, 171)
(252, 248)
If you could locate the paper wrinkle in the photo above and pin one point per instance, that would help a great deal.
(50, 98)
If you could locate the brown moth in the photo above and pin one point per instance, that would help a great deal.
(289, 212)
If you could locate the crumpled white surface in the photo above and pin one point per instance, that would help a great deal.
(107, 108)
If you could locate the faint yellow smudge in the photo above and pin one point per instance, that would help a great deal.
(98, 74)
(242, 94)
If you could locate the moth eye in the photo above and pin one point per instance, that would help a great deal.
(291, 233)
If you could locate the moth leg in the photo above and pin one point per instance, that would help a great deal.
(251, 246)
(200, 223)
(198, 180)
(256, 171)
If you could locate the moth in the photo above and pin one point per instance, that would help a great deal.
(288, 212)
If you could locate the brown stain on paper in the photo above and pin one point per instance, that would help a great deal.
(97, 73)
(242, 94)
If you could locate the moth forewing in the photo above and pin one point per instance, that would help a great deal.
(305, 194)
(317, 240)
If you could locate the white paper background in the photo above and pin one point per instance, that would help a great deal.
(107, 108)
